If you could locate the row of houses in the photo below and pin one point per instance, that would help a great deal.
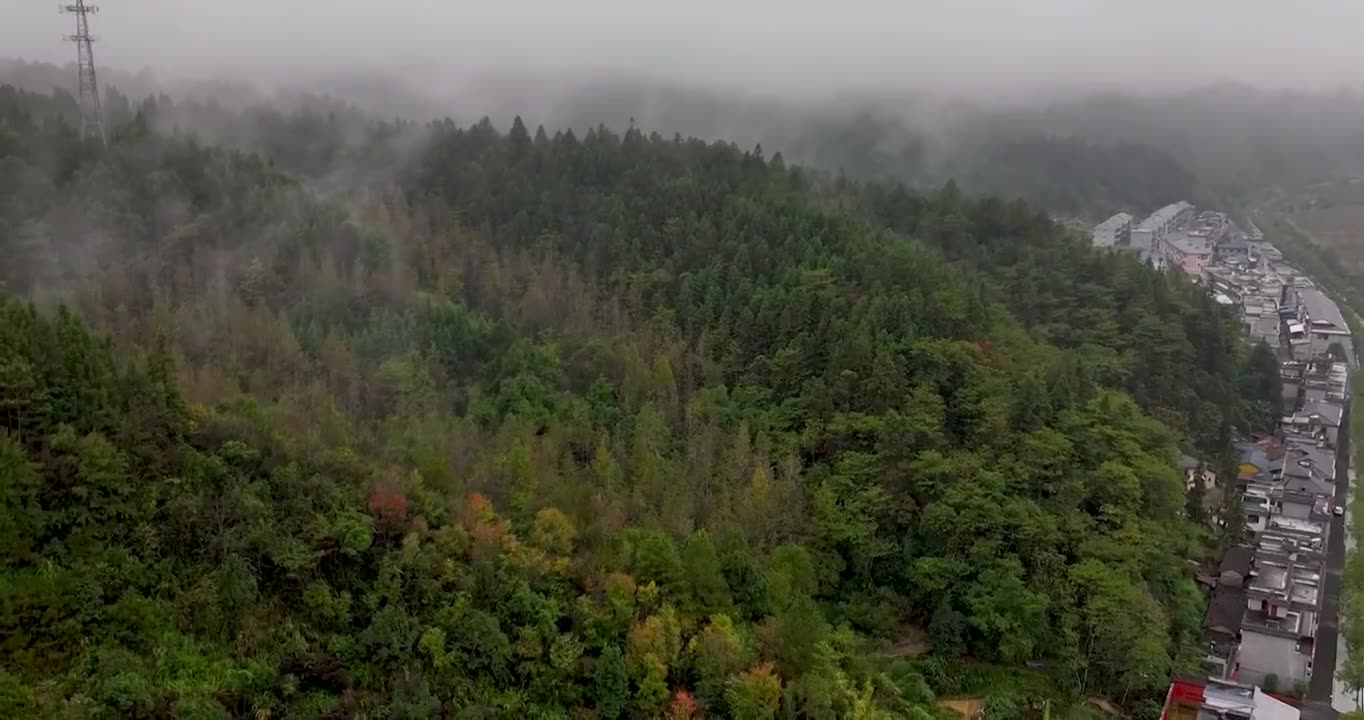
(1151, 232)
(1264, 613)
(1200, 238)
(1257, 287)
(1177, 236)
(1123, 232)
(1278, 304)
(1266, 599)
(1243, 268)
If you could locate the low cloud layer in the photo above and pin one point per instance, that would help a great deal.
(978, 48)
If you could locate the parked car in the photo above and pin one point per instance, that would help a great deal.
(1340, 510)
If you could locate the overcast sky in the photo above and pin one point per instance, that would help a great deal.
(779, 46)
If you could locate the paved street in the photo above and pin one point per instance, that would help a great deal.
(1342, 700)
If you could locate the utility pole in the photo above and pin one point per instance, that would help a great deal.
(92, 118)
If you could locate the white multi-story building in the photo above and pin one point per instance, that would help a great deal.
(1146, 237)
(1113, 232)
(1165, 220)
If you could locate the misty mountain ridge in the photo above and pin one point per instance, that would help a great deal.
(1083, 154)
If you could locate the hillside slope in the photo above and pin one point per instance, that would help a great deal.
(618, 425)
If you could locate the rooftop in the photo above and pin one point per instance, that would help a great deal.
(1187, 244)
(1289, 625)
(1285, 575)
(1321, 309)
(1319, 412)
(1309, 457)
(1217, 699)
(1224, 611)
(1270, 577)
(1237, 559)
(1331, 375)
(1164, 215)
(1308, 531)
(1264, 453)
(1113, 223)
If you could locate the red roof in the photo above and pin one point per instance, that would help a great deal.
(1181, 691)
(1190, 692)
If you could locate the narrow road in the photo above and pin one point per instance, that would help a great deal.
(1343, 700)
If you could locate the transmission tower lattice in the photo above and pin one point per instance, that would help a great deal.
(92, 118)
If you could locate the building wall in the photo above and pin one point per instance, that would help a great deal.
(1142, 239)
(1263, 655)
(1290, 396)
(1108, 235)
(1321, 342)
(1194, 264)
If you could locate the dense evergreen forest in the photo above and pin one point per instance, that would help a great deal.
(1086, 154)
(605, 426)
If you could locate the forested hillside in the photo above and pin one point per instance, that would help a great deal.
(1087, 155)
(601, 426)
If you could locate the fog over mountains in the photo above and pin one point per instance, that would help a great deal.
(1079, 107)
(977, 48)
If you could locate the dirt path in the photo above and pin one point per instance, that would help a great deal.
(911, 642)
(968, 708)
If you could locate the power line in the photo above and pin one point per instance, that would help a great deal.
(92, 117)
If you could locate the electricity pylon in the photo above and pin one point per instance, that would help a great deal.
(92, 117)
